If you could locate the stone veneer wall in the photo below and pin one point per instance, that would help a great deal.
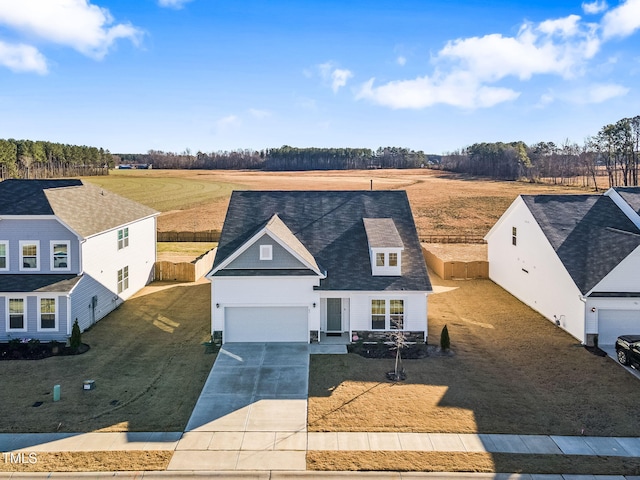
(313, 336)
(385, 336)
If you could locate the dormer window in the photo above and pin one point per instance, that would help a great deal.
(379, 259)
(266, 252)
(393, 259)
(385, 246)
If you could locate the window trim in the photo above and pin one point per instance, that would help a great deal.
(7, 266)
(24, 243)
(266, 252)
(52, 255)
(122, 284)
(56, 326)
(387, 313)
(24, 314)
(124, 241)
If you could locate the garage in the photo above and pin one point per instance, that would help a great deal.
(266, 324)
(613, 323)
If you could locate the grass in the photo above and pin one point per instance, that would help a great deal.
(513, 372)
(472, 462)
(186, 248)
(147, 360)
(161, 191)
(442, 203)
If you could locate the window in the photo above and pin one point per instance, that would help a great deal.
(379, 259)
(393, 259)
(123, 238)
(60, 255)
(514, 235)
(396, 310)
(16, 314)
(47, 313)
(4, 255)
(378, 314)
(123, 279)
(266, 252)
(29, 259)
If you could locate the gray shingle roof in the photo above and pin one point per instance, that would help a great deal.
(86, 208)
(631, 195)
(330, 226)
(589, 233)
(278, 228)
(382, 233)
(20, 283)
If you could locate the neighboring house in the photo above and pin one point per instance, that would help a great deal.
(573, 258)
(295, 266)
(68, 250)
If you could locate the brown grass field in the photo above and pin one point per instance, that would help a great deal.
(442, 203)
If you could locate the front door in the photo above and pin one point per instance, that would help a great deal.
(334, 315)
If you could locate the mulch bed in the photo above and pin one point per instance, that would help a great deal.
(382, 350)
(34, 350)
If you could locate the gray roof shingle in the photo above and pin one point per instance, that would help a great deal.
(86, 208)
(330, 226)
(589, 233)
(631, 195)
(20, 283)
(382, 233)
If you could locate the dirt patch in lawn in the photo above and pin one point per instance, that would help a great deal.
(472, 462)
(147, 359)
(512, 372)
(442, 202)
(118, 461)
(458, 252)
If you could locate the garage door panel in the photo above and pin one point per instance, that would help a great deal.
(613, 323)
(266, 324)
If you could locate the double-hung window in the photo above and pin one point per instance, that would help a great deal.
(514, 235)
(123, 238)
(47, 314)
(387, 314)
(4, 255)
(60, 255)
(17, 320)
(123, 279)
(29, 255)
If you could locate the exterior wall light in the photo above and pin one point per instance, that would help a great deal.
(593, 309)
(314, 304)
(217, 305)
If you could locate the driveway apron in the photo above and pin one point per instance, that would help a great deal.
(252, 412)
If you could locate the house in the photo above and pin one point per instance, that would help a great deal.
(299, 265)
(68, 250)
(573, 258)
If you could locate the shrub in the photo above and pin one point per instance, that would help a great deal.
(76, 337)
(445, 342)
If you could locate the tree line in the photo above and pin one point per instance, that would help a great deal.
(39, 159)
(285, 158)
(614, 151)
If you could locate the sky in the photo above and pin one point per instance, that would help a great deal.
(210, 75)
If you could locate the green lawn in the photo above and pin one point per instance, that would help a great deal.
(163, 193)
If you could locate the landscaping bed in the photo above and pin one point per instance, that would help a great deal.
(33, 349)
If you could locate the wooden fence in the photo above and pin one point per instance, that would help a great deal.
(452, 239)
(185, 271)
(202, 236)
(456, 270)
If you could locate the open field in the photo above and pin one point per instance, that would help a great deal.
(182, 251)
(146, 358)
(513, 372)
(442, 203)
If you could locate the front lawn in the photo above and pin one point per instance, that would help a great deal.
(147, 360)
(513, 372)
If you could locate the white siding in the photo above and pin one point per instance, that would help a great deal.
(532, 272)
(415, 309)
(81, 302)
(264, 292)
(623, 278)
(102, 259)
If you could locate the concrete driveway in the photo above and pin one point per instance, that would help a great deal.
(611, 351)
(243, 377)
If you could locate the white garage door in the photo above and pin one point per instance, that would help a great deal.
(266, 324)
(613, 323)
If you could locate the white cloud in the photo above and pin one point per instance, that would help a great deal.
(621, 21)
(401, 61)
(595, 7)
(260, 114)
(603, 92)
(230, 121)
(466, 68)
(78, 24)
(337, 77)
(176, 4)
(22, 58)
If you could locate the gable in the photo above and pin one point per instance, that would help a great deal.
(249, 259)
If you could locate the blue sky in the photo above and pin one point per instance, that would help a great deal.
(208, 75)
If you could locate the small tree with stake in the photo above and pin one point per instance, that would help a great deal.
(399, 342)
(76, 337)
